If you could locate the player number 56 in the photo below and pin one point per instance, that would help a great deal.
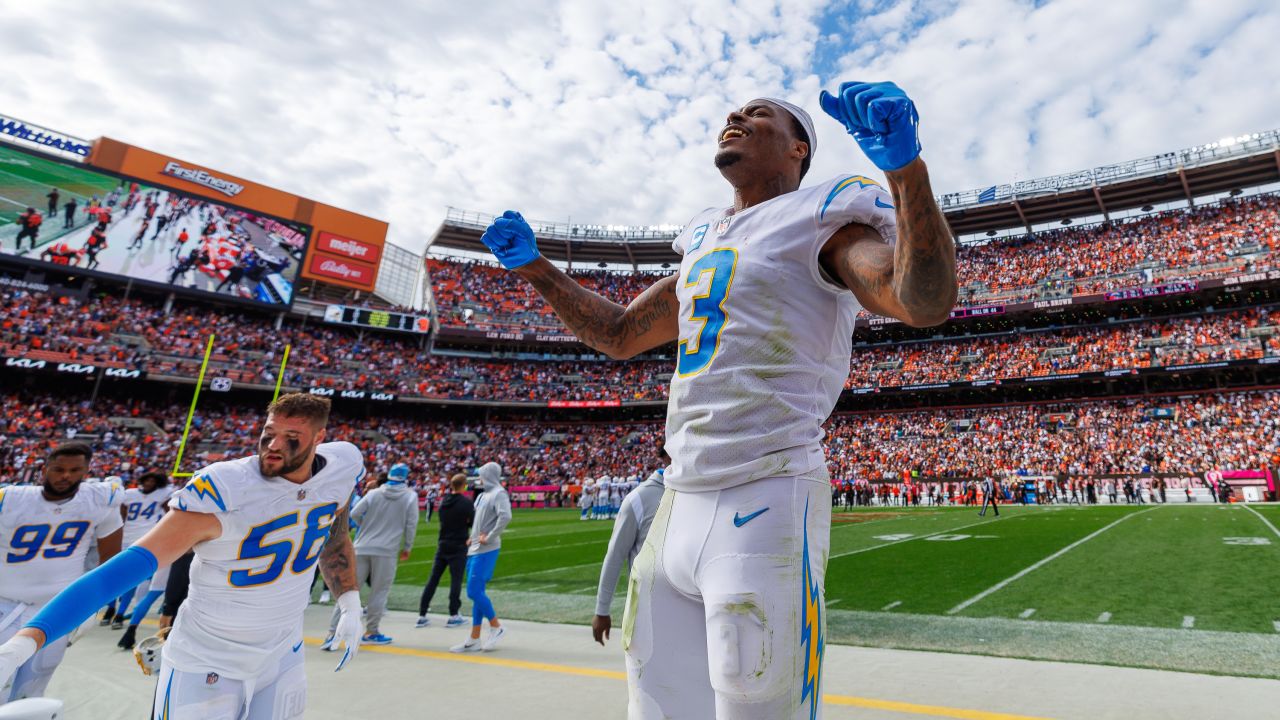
(318, 523)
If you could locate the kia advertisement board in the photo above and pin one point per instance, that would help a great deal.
(72, 217)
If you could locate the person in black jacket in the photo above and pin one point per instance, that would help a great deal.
(456, 514)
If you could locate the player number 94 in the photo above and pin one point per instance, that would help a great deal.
(254, 546)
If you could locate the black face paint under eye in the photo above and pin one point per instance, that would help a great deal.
(264, 441)
(294, 446)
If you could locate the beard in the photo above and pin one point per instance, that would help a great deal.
(725, 158)
(53, 494)
(287, 465)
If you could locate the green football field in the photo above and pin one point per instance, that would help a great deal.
(25, 179)
(1181, 586)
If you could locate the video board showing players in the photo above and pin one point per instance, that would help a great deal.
(69, 215)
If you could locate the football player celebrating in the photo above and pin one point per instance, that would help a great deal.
(44, 537)
(258, 526)
(724, 611)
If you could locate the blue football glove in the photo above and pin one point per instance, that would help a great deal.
(511, 240)
(880, 117)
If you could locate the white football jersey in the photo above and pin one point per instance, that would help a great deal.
(249, 586)
(765, 337)
(44, 543)
(143, 511)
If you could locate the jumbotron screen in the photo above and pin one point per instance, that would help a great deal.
(67, 215)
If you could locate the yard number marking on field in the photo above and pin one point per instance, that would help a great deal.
(1041, 563)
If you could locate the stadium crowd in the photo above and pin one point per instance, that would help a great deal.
(139, 334)
(1151, 343)
(1188, 434)
(1227, 238)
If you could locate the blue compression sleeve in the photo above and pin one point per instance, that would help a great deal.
(82, 598)
(144, 607)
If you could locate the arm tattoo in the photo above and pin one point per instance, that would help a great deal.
(338, 556)
(924, 272)
(649, 321)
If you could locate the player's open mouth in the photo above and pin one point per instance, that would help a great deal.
(732, 132)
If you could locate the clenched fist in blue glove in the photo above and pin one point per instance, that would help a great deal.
(511, 240)
(881, 118)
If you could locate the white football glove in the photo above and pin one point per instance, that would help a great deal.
(13, 654)
(350, 627)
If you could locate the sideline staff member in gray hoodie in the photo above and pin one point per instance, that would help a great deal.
(493, 512)
(388, 520)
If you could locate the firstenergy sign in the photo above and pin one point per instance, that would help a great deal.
(200, 177)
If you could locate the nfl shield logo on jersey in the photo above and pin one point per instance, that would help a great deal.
(723, 224)
(211, 678)
(302, 494)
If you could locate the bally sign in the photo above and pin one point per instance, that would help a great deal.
(200, 177)
(346, 247)
(328, 266)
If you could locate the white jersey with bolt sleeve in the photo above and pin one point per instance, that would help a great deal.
(250, 586)
(143, 511)
(43, 543)
(765, 336)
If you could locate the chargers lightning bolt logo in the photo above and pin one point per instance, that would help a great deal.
(858, 180)
(811, 638)
(202, 486)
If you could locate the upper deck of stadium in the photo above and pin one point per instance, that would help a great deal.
(1229, 165)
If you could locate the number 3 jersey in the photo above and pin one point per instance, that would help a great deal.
(250, 586)
(765, 336)
(44, 543)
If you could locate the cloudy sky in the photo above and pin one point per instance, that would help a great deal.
(607, 112)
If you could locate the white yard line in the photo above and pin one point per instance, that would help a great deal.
(1104, 617)
(892, 605)
(548, 570)
(918, 537)
(1264, 519)
(1041, 563)
(539, 587)
(1027, 613)
(1188, 621)
(1276, 625)
(833, 603)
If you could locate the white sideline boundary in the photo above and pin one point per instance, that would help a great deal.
(1264, 519)
(1041, 563)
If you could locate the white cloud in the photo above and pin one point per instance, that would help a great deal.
(606, 112)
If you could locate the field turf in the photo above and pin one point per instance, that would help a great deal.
(1065, 582)
(24, 180)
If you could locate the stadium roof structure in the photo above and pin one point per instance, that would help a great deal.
(1227, 165)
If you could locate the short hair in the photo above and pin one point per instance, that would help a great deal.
(802, 135)
(302, 405)
(156, 474)
(458, 482)
(71, 449)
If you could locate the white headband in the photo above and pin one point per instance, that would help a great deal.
(799, 114)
